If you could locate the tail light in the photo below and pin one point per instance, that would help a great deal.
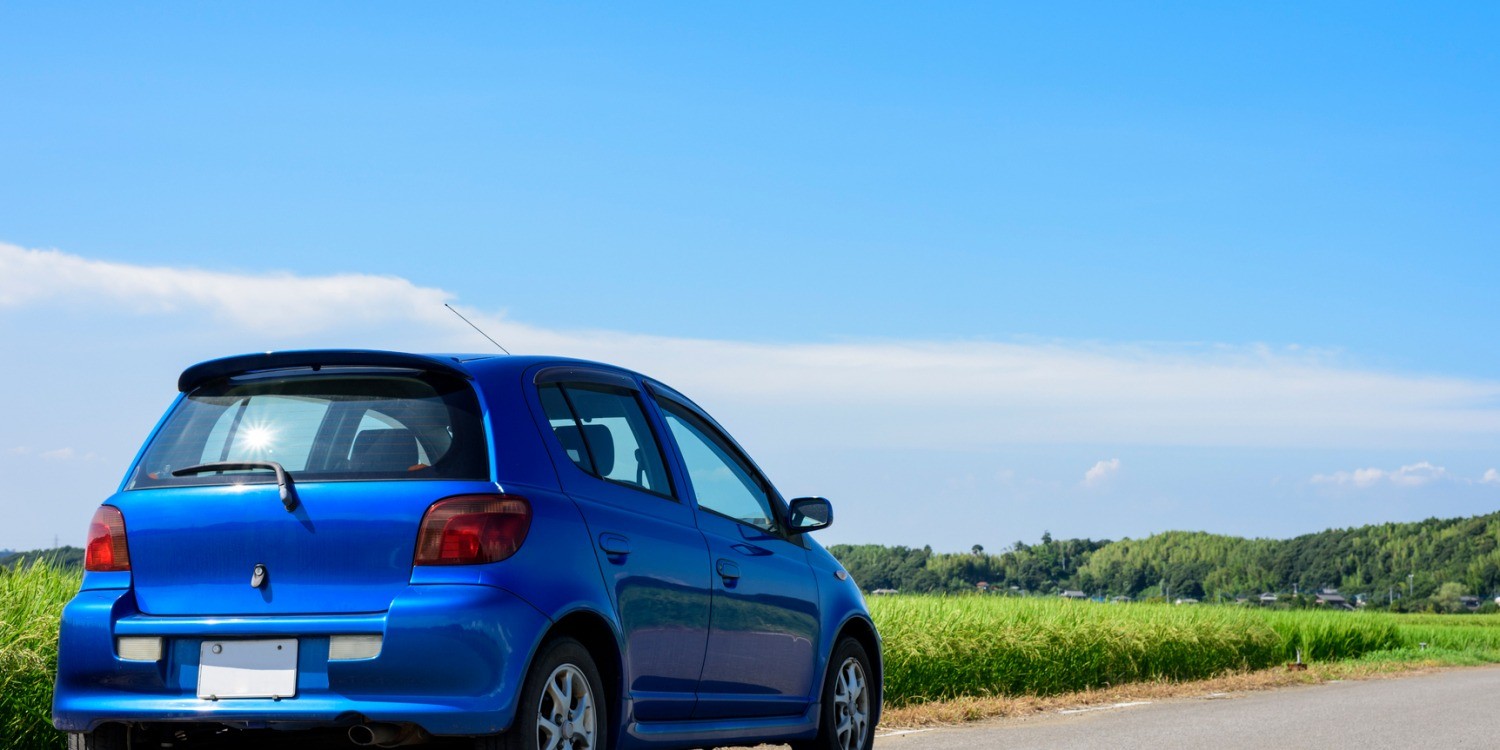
(472, 529)
(106, 551)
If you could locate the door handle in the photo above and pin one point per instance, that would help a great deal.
(729, 571)
(614, 544)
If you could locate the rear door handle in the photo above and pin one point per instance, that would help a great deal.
(729, 571)
(614, 544)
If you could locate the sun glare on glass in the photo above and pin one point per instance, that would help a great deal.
(257, 438)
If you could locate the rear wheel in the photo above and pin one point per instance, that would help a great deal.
(106, 737)
(848, 702)
(562, 704)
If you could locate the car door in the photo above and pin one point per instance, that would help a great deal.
(652, 555)
(763, 631)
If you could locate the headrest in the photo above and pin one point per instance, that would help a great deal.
(383, 450)
(600, 440)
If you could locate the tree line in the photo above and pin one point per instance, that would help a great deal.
(1400, 564)
(1407, 565)
(58, 557)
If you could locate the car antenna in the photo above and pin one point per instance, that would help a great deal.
(477, 328)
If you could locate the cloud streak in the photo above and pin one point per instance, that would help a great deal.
(1412, 475)
(948, 395)
(283, 302)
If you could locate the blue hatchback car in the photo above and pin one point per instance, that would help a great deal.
(531, 552)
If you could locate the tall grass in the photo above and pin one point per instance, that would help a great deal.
(937, 647)
(31, 601)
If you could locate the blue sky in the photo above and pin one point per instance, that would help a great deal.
(936, 263)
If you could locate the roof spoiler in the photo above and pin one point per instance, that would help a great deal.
(314, 359)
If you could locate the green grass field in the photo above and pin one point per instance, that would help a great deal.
(935, 647)
(948, 647)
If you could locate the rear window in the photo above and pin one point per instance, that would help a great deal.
(322, 428)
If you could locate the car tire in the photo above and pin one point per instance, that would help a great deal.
(106, 737)
(849, 702)
(562, 673)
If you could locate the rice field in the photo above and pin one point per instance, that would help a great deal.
(948, 647)
(935, 647)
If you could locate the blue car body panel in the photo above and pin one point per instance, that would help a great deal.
(346, 548)
(452, 675)
(698, 658)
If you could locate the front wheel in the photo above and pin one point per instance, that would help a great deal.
(562, 704)
(848, 702)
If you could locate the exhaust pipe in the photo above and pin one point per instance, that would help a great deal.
(387, 735)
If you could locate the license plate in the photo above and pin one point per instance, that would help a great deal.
(247, 669)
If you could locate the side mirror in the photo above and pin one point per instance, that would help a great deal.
(810, 514)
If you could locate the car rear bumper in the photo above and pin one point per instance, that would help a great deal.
(452, 661)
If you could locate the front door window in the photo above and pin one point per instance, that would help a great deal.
(723, 483)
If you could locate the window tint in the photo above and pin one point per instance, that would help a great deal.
(323, 428)
(605, 432)
(722, 481)
(564, 426)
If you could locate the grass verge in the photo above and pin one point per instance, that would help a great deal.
(1377, 665)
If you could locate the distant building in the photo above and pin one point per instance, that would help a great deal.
(1332, 599)
(1267, 598)
(1120, 600)
(982, 586)
(1075, 595)
(884, 592)
(1470, 603)
(1186, 600)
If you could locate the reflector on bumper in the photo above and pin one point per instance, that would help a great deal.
(351, 647)
(136, 648)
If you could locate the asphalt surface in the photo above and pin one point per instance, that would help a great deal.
(1452, 709)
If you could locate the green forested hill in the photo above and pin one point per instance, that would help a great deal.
(1379, 561)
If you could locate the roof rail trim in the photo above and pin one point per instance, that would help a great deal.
(244, 364)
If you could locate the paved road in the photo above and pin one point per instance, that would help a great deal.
(1458, 708)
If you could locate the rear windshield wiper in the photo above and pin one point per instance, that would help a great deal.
(283, 479)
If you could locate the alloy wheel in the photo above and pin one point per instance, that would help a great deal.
(851, 705)
(565, 717)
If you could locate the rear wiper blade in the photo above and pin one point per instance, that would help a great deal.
(283, 479)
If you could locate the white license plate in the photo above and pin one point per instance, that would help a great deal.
(247, 669)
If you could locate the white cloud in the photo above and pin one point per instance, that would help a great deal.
(948, 395)
(1491, 476)
(61, 454)
(282, 302)
(969, 394)
(1101, 471)
(1413, 475)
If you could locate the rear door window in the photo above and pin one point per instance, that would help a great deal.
(604, 431)
(327, 427)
